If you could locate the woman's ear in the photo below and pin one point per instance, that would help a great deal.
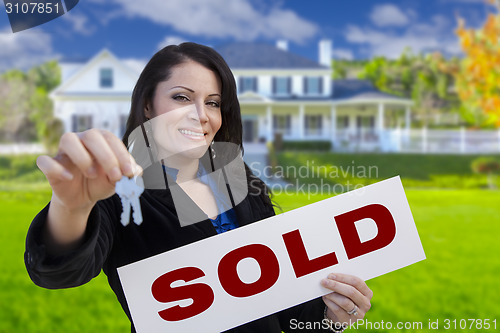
(147, 111)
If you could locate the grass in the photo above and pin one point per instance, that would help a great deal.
(459, 229)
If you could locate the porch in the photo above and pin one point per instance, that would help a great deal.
(348, 126)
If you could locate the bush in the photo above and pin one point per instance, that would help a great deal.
(16, 166)
(486, 165)
(318, 145)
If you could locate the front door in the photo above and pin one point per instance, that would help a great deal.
(249, 129)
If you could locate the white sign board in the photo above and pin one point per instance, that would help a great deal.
(274, 264)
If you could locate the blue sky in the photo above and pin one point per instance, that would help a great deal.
(136, 29)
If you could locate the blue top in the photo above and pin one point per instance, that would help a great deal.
(226, 220)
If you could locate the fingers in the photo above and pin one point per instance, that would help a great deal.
(52, 169)
(342, 286)
(96, 151)
(354, 281)
(343, 306)
(98, 148)
(125, 160)
(338, 314)
(348, 293)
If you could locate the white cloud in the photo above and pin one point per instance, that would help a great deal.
(24, 49)
(388, 15)
(80, 23)
(135, 64)
(342, 54)
(237, 19)
(436, 35)
(170, 40)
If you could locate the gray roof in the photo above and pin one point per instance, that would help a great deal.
(245, 55)
(359, 89)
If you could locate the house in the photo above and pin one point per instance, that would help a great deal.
(280, 93)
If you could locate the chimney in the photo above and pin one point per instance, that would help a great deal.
(282, 44)
(325, 52)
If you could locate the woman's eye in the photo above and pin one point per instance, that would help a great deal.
(181, 98)
(215, 104)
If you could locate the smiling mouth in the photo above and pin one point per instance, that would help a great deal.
(192, 134)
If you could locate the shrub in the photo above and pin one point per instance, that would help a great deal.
(317, 145)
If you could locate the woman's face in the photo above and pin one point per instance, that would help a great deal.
(186, 110)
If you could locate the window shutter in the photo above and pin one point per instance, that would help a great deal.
(255, 84)
(240, 84)
(320, 122)
(91, 119)
(320, 85)
(289, 85)
(305, 85)
(274, 86)
(288, 122)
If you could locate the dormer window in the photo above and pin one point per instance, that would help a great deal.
(106, 78)
(313, 85)
(282, 85)
(248, 83)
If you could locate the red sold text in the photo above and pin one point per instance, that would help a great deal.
(203, 296)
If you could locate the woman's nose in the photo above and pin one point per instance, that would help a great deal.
(201, 113)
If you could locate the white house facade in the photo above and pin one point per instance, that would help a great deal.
(280, 93)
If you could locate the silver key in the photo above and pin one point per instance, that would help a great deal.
(129, 190)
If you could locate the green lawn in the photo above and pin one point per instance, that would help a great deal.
(460, 232)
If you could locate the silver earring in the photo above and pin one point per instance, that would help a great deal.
(213, 150)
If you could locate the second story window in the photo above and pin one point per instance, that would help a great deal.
(313, 85)
(282, 85)
(106, 78)
(248, 83)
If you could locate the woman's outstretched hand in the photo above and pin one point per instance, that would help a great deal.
(349, 300)
(86, 167)
(85, 170)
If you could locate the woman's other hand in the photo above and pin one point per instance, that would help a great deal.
(349, 300)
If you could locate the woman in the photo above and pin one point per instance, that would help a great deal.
(184, 100)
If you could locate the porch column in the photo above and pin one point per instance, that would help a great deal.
(380, 128)
(301, 121)
(333, 124)
(407, 119)
(381, 117)
(269, 123)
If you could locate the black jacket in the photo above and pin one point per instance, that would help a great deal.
(108, 245)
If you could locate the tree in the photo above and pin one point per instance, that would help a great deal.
(15, 108)
(478, 76)
(25, 108)
(418, 77)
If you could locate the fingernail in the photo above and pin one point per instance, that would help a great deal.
(324, 282)
(332, 276)
(67, 175)
(92, 172)
(127, 170)
(138, 170)
(115, 173)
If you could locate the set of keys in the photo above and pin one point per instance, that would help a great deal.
(129, 190)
